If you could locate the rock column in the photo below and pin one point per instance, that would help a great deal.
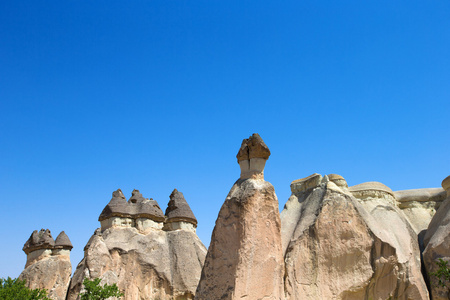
(244, 259)
(437, 244)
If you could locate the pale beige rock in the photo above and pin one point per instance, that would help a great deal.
(446, 185)
(51, 273)
(420, 205)
(437, 244)
(244, 259)
(156, 265)
(337, 248)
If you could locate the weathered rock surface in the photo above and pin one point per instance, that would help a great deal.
(340, 247)
(437, 244)
(178, 209)
(48, 263)
(420, 205)
(244, 259)
(150, 264)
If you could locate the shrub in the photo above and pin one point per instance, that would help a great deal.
(13, 289)
(94, 291)
(443, 273)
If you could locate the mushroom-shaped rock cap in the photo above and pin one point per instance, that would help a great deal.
(141, 207)
(253, 147)
(371, 186)
(446, 183)
(62, 241)
(39, 240)
(116, 207)
(178, 209)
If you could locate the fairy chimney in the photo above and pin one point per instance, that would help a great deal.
(63, 245)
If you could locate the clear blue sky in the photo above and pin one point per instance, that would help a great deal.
(157, 95)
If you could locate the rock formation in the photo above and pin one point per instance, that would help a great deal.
(332, 241)
(339, 247)
(132, 250)
(48, 263)
(179, 214)
(420, 205)
(437, 244)
(244, 259)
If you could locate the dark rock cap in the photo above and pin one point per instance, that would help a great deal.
(141, 207)
(117, 207)
(63, 241)
(178, 209)
(136, 207)
(253, 147)
(39, 240)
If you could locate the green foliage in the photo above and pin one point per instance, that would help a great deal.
(94, 291)
(443, 273)
(13, 289)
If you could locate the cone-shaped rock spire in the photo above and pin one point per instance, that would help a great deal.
(178, 209)
(63, 241)
(116, 207)
(39, 240)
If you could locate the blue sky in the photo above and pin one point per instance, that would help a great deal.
(157, 95)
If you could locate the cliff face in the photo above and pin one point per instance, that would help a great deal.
(244, 257)
(156, 265)
(339, 247)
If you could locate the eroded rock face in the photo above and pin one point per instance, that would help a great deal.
(420, 205)
(156, 265)
(48, 263)
(244, 259)
(437, 244)
(337, 247)
(51, 273)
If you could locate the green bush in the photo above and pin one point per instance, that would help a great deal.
(14, 289)
(443, 273)
(94, 291)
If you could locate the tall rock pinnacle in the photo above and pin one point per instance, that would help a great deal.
(245, 259)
